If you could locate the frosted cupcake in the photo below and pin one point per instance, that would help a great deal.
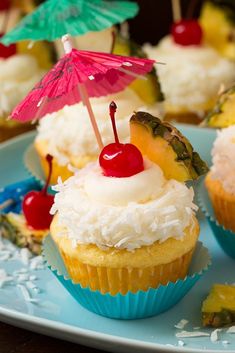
(68, 136)
(191, 78)
(220, 181)
(118, 224)
(18, 75)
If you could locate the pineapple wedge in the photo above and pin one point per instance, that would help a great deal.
(223, 114)
(148, 90)
(218, 309)
(218, 23)
(14, 228)
(164, 145)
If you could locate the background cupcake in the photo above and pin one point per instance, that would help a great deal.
(220, 181)
(191, 78)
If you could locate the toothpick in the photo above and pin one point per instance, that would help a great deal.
(176, 9)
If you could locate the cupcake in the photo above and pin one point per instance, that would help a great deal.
(117, 223)
(18, 75)
(68, 135)
(223, 113)
(220, 182)
(185, 77)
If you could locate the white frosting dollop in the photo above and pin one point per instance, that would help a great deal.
(18, 74)
(68, 132)
(223, 153)
(125, 213)
(192, 75)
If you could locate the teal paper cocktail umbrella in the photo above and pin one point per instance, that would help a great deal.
(54, 18)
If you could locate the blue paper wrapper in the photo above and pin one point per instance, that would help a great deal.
(131, 305)
(225, 237)
(15, 193)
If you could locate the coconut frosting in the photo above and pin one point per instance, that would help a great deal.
(18, 74)
(192, 75)
(223, 153)
(125, 213)
(68, 132)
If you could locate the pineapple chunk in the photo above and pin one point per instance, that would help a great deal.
(223, 114)
(14, 228)
(148, 90)
(164, 145)
(218, 309)
(218, 23)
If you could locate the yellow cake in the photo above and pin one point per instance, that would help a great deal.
(113, 270)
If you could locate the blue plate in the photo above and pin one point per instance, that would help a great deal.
(57, 314)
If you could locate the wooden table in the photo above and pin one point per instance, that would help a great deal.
(15, 340)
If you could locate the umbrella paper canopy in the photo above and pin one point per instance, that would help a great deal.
(78, 76)
(100, 73)
(54, 18)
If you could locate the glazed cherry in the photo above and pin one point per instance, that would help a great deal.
(37, 204)
(5, 5)
(118, 159)
(7, 51)
(187, 32)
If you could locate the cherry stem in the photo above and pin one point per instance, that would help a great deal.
(191, 9)
(113, 42)
(112, 111)
(49, 159)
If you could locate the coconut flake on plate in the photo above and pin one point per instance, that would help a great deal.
(191, 334)
(214, 335)
(231, 329)
(181, 324)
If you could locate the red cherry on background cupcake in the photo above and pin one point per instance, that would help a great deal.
(5, 5)
(6, 52)
(187, 32)
(118, 159)
(37, 204)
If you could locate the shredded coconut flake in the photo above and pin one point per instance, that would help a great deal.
(231, 329)
(188, 334)
(181, 324)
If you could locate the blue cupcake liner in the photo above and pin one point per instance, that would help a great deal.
(131, 305)
(225, 237)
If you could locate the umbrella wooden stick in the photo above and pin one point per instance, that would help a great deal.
(85, 98)
(86, 102)
(176, 9)
(6, 203)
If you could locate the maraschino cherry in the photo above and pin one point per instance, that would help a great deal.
(117, 159)
(5, 5)
(187, 32)
(37, 204)
(7, 51)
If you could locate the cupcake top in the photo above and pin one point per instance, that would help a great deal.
(18, 75)
(125, 213)
(192, 75)
(68, 132)
(223, 152)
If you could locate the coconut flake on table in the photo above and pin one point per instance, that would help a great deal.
(181, 324)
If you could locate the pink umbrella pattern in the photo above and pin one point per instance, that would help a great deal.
(78, 76)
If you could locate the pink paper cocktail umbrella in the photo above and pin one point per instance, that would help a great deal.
(78, 76)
